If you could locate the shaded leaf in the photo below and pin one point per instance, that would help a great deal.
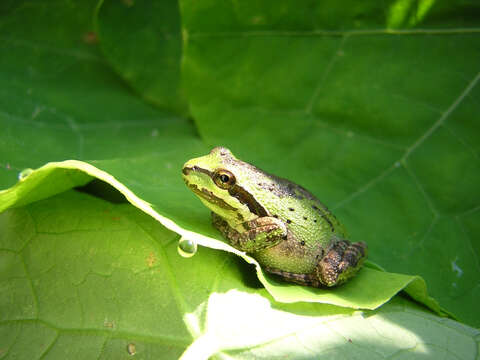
(143, 43)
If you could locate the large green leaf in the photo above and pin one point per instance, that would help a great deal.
(61, 100)
(146, 170)
(371, 105)
(86, 278)
(369, 290)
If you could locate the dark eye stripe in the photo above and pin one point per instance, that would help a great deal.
(247, 199)
(237, 192)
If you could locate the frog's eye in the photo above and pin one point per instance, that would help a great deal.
(224, 179)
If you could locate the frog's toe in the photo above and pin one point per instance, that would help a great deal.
(341, 263)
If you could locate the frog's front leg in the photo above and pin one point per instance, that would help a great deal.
(260, 233)
(341, 262)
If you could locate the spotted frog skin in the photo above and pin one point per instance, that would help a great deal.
(279, 223)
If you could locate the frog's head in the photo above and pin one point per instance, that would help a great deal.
(221, 182)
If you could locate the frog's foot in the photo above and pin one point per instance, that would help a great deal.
(301, 279)
(341, 263)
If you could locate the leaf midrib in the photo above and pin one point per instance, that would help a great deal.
(321, 33)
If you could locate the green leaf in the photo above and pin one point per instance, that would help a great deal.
(92, 279)
(142, 41)
(371, 106)
(137, 175)
(61, 100)
(369, 290)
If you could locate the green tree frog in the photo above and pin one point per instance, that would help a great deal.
(279, 223)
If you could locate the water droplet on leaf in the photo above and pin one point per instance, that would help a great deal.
(187, 248)
(24, 173)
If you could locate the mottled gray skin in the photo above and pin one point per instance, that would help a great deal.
(282, 225)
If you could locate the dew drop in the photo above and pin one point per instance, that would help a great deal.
(187, 248)
(24, 173)
(131, 349)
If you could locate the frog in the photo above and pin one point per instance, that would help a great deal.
(290, 233)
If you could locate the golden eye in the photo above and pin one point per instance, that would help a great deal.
(224, 179)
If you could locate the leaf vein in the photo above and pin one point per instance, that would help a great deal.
(50, 346)
(442, 118)
(326, 72)
(76, 54)
(413, 147)
(469, 242)
(314, 33)
(421, 188)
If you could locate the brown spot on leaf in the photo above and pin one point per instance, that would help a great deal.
(90, 38)
(151, 259)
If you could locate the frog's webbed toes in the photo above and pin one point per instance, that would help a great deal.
(341, 263)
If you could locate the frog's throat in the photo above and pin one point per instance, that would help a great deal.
(236, 191)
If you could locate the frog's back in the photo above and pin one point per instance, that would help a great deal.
(300, 209)
(312, 228)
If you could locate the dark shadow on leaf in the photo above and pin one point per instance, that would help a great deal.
(102, 190)
(247, 272)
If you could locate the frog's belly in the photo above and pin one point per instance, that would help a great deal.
(291, 256)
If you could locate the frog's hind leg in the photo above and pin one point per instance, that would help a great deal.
(341, 262)
(301, 279)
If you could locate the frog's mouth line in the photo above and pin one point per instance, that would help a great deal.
(210, 197)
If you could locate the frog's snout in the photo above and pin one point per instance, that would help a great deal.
(188, 167)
